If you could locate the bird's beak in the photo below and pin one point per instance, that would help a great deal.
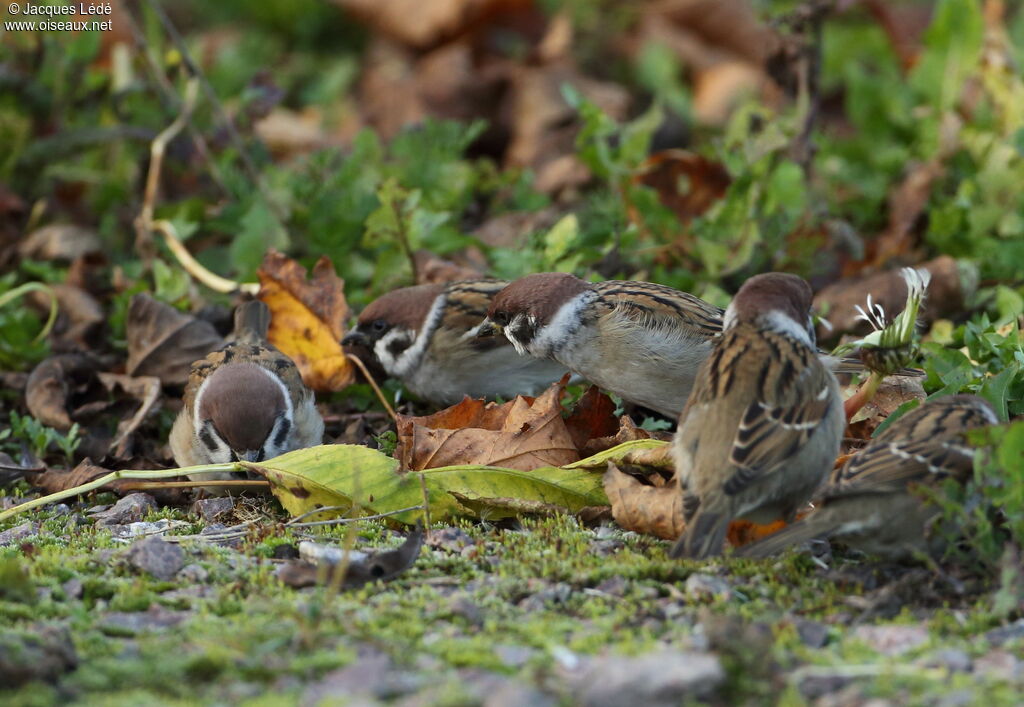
(355, 338)
(487, 329)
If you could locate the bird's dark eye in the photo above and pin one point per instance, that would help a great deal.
(501, 318)
(379, 326)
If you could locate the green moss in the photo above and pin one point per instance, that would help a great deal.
(535, 588)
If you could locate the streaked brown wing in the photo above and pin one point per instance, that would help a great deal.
(793, 402)
(468, 301)
(648, 300)
(890, 466)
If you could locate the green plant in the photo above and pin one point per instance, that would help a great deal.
(39, 437)
(19, 348)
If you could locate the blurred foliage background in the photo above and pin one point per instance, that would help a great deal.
(690, 142)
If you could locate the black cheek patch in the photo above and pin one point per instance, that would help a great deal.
(282, 433)
(396, 347)
(207, 439)
(523, 332)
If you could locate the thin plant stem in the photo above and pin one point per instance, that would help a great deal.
(373, 384)
(115, 476)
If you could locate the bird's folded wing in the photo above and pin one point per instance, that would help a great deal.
(788, 412)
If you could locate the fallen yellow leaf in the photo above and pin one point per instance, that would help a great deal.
(307, 319)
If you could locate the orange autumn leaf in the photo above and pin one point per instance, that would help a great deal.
(307, 318)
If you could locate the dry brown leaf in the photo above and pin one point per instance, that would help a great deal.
(893, 392)
(59, 241)
(720, 89)
(946, 296)
(907, 204)
(522, 434)
(287, 133)
(146, 389)
(433, 269)
(80, 321)
(645, 501)
(643, 507)
(421, 24)
(593, 416)
(904, 24)
(57, 386)
(163, 342)
(307, 319)
(360, 571)
(705, 181)
(543, 126)
(627, 432)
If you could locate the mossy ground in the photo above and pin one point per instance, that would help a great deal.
(523, 602)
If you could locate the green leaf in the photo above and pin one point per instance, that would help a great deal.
(560, 239)
(953, 45)
(997, 389)
(369, 481)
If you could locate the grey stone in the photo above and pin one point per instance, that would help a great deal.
(702, 587)
(451, 539)
(133, 507)
(614, 586)
(517, 694)
(1011, 632)
(813, 687)
(603, 548)
(158, 557)
(656, 679)
(18, 533)
(952, 659)
(139, 529)
(468, 609)
(813, 633)
(187, 594)
(130, 623)
(372, 676)
(557, 593)
(512, 655)
(73, 588)
(44, 654)
(1001, 664)
(892, 640)
(193, 573)
(210, 509)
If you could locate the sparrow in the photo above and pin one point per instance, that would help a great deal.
(873, 502)
(642, 341)
(639, 340)
(763, 425)
(426, 337)
(245, 401)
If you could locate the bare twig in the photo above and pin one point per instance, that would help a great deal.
(143, 224)
(194, 268)
(373, 384)
(214, 101)
(172, 101)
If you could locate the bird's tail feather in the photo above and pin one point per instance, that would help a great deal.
(795, 534)
(704, 536)
(252, 321)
